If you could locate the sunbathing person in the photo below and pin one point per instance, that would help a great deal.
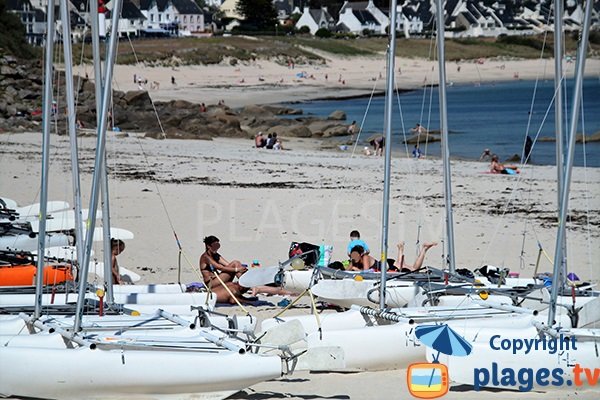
(400, 264)
(497, 167)
(212, 262)
(360, 260)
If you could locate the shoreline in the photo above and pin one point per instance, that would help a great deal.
(266, 82)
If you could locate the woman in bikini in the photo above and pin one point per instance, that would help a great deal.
(360, 260)
(212, 262)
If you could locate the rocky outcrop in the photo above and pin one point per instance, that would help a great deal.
(21, 88)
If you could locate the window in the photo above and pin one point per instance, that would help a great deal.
(151, 17)
(184, 19)
(159, 17)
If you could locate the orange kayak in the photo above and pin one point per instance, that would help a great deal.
(24, 275)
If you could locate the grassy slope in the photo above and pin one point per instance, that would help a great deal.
(214, 50)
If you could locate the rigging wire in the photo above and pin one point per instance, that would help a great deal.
(516, 185)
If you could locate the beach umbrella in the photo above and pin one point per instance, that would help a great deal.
(443, 339)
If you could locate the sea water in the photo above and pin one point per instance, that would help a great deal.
(498, 116)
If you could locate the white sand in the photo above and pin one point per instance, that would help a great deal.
(241, 85)
(258, 201)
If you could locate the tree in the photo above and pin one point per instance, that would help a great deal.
(12, 34)
(258, 14)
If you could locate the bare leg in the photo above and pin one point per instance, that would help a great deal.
(399, 263)
(236, 265)
(366, 261)
(225, 277)
(271, 291)
(421, 257)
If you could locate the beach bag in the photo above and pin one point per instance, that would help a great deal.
(299, 249)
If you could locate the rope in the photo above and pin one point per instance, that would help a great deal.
(352, 154)
(292, 303)
(586, 193)
(230, 293)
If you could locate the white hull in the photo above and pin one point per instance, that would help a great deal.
(348, 292)
(33, 210)
(26, 243)
(358, 342)
(100, 374)
(297, 281)
(127, 299)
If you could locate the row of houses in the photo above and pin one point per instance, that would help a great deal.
(463, 18)
(138, 18)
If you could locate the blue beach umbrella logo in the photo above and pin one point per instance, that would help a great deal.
(443, 339)
(430, 380)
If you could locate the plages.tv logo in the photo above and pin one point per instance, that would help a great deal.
(525, 378)
(431, 380)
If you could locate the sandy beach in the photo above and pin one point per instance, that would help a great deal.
(264, 82)
(258, 201)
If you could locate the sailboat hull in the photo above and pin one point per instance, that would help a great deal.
(93, 374)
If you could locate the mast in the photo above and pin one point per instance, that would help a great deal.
(564, 199)
(68, 58)
(101, 132)
(389, 96)
(98, 30)
(106, 248)
(47, 106)
(444, 131)
(558, 106)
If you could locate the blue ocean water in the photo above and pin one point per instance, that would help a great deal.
(490, 115)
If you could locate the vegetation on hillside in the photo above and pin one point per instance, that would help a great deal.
(309, 49)
(12, 35)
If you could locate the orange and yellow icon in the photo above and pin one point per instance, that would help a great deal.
(427, 380)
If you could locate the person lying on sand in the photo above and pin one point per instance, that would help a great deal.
(400, 264)
(360, 260)
(498, 168)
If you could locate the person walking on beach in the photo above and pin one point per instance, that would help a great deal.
(528, 148)
(417, 152)
(173, 81)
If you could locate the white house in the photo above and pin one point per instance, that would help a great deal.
(357, 17)
(182, 17)
(132, 20)
(316, 19)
